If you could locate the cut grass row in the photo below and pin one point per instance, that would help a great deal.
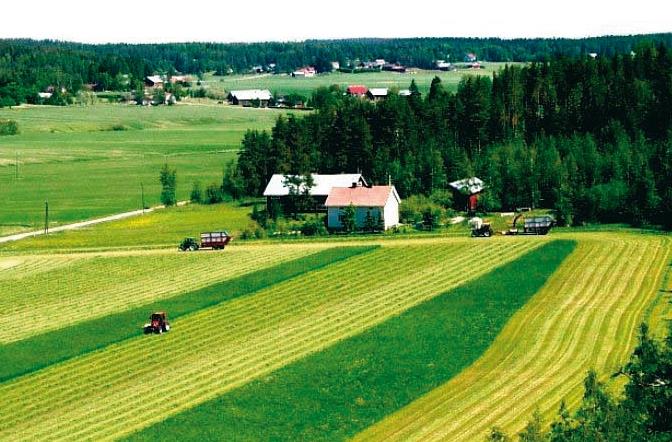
(113, 392)
(42, 350)
(585, 317)
(101, 285)
(334, 394)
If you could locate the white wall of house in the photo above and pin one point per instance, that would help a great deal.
(391, 213)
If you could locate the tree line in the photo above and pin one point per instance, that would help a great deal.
(31, 66)
(589, 138)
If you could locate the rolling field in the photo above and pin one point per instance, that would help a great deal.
(73, 158)
(414, 339)
(285, 84)
(585, 317)
(220, 348)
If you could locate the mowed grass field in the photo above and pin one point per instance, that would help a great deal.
(525, 346)
(73, 158)
(286, 84)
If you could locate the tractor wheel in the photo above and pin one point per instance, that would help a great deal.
(486, 233)
(192, 248)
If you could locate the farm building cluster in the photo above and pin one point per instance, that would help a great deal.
(332, 194)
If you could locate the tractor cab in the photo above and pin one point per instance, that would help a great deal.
(157, 323)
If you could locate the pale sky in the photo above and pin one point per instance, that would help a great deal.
(150, 21)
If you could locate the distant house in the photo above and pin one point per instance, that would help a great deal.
(405, 92)
(154, 81)
(466, 192)
(378, 202)
(180, 79)
(357, 90)
(280, 190)
(394, 67)
(45, 95)
(443, 65)
(250, 97)
(470, 57)
(305, 72)
(377, 93)
(335, 65)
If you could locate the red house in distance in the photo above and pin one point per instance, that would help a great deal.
(466, 192)
(357, 90)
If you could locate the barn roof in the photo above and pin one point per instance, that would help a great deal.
(155, 79)
(378, 91)
(374, 196)
(252, 94)
(471, 185)
(357, 89)
(322, 183)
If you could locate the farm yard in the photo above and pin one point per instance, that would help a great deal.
(285, 84)
(256, 327)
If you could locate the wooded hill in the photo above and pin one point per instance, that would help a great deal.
(587, 137)
(30, 66)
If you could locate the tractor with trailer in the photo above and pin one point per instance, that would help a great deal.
(480, 228)
(209, 240)
(532, 225)
(158, 323)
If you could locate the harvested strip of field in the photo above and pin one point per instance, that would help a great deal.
(115, 391)
(335, 393)
(39, 351)
(586, 316)
(101, 285)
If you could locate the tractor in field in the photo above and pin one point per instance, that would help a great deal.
(209, 240)
(158, 323)
(480, 228)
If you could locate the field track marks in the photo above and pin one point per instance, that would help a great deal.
(113, 392)
(586, 316)
(101, 285)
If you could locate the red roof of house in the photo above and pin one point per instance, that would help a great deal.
(361, 196)
(357, 90)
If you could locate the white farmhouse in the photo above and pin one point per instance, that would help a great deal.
(381, 202)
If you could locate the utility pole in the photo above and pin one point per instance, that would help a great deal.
(46, 217)
(142, 193)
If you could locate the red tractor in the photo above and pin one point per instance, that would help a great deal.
(158, 323)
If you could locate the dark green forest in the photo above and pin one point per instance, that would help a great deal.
(589, 138)
(30, 66)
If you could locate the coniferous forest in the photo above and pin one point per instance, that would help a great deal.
(587, 137)
(30, 66)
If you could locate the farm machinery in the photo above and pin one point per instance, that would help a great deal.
(158, 323)
(480, 228)
(532, 225)
(211, 240)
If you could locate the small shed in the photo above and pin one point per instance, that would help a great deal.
(380, 203)
(357, 90)
(154, 81)
(466, 192)
(377, 93)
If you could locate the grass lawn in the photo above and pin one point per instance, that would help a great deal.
(334, 394)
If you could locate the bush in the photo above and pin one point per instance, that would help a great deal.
(419, 209)
(314, 227)
(196, 193)
(9, 127)
(213, 194)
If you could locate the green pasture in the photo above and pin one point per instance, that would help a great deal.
(165, 227)
(72, 157)
(286, 84)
